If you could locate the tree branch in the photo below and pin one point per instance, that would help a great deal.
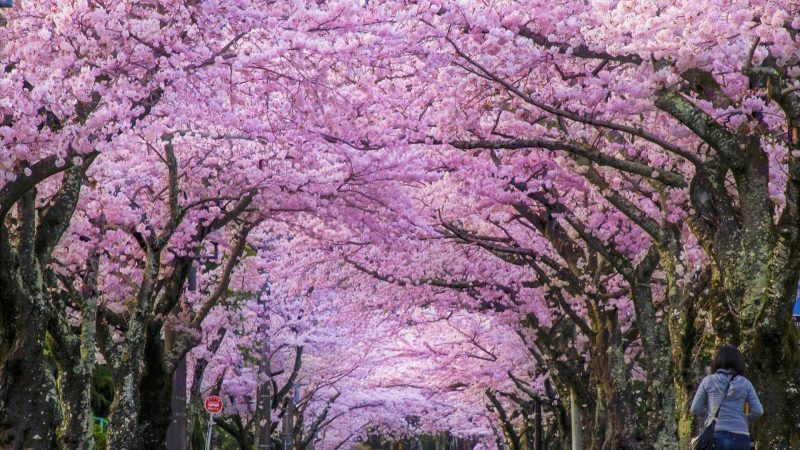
(578, 117)
(664, 176)
(703, 125)
(56, 217)
(298, 363)
(222, 285)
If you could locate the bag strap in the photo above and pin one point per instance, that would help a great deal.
(723, 397)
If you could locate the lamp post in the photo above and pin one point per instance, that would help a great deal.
(177, 432)
(577, 427)
(264, 395)
(288, 419)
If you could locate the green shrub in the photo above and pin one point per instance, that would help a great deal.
(100, 438)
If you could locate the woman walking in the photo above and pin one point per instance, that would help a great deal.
(732, 427)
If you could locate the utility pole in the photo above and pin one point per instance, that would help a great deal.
(288, 419)
(264, 410)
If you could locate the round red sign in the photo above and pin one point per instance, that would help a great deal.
(213, 404)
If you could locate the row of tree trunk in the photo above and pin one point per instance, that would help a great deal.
(743, 295)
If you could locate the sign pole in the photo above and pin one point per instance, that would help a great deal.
(213, 405)
(210, 428)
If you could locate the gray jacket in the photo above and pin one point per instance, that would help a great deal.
(731, 415)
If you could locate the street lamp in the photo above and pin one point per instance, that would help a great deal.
(178, 426)
(264, 394)
(193, 270)
(288, 419)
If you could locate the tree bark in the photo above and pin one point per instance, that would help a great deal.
(774, 368)
(617, 425)
(155, 392)
(29, 410)
(74, 388)
(75, 359)
(757, 258)
(124, 430)
(74, 352)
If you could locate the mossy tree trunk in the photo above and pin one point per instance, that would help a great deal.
(74, 353)
(29, 410)
(756, 255)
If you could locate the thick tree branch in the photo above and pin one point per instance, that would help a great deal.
(506, 423)
(12, 191)
(619, 261)
(298, 363)
(625, 206)
(224, 282)
(318, 422)
(56, 217)
(579, 51)
(674, 149)
(704, 126)
(664, 176)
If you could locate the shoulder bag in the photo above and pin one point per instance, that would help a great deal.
(705, 441)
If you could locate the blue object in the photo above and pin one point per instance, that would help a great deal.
(724, 440)
(796, 310)
(6, 3)
(296, 396)
(102, 422)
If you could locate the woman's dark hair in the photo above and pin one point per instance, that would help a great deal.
(728, 357)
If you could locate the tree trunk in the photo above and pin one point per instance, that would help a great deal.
(74, 389)
(657, 362)
(684, 336)
(758, 258)
(124, 431)
(774, 368)
(29, 410)
(74, 355)
(155, 392)
(537, 436)
(75, 359)
(617, 420)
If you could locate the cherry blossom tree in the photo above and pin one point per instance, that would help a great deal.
(680, 122)
(440, 215)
